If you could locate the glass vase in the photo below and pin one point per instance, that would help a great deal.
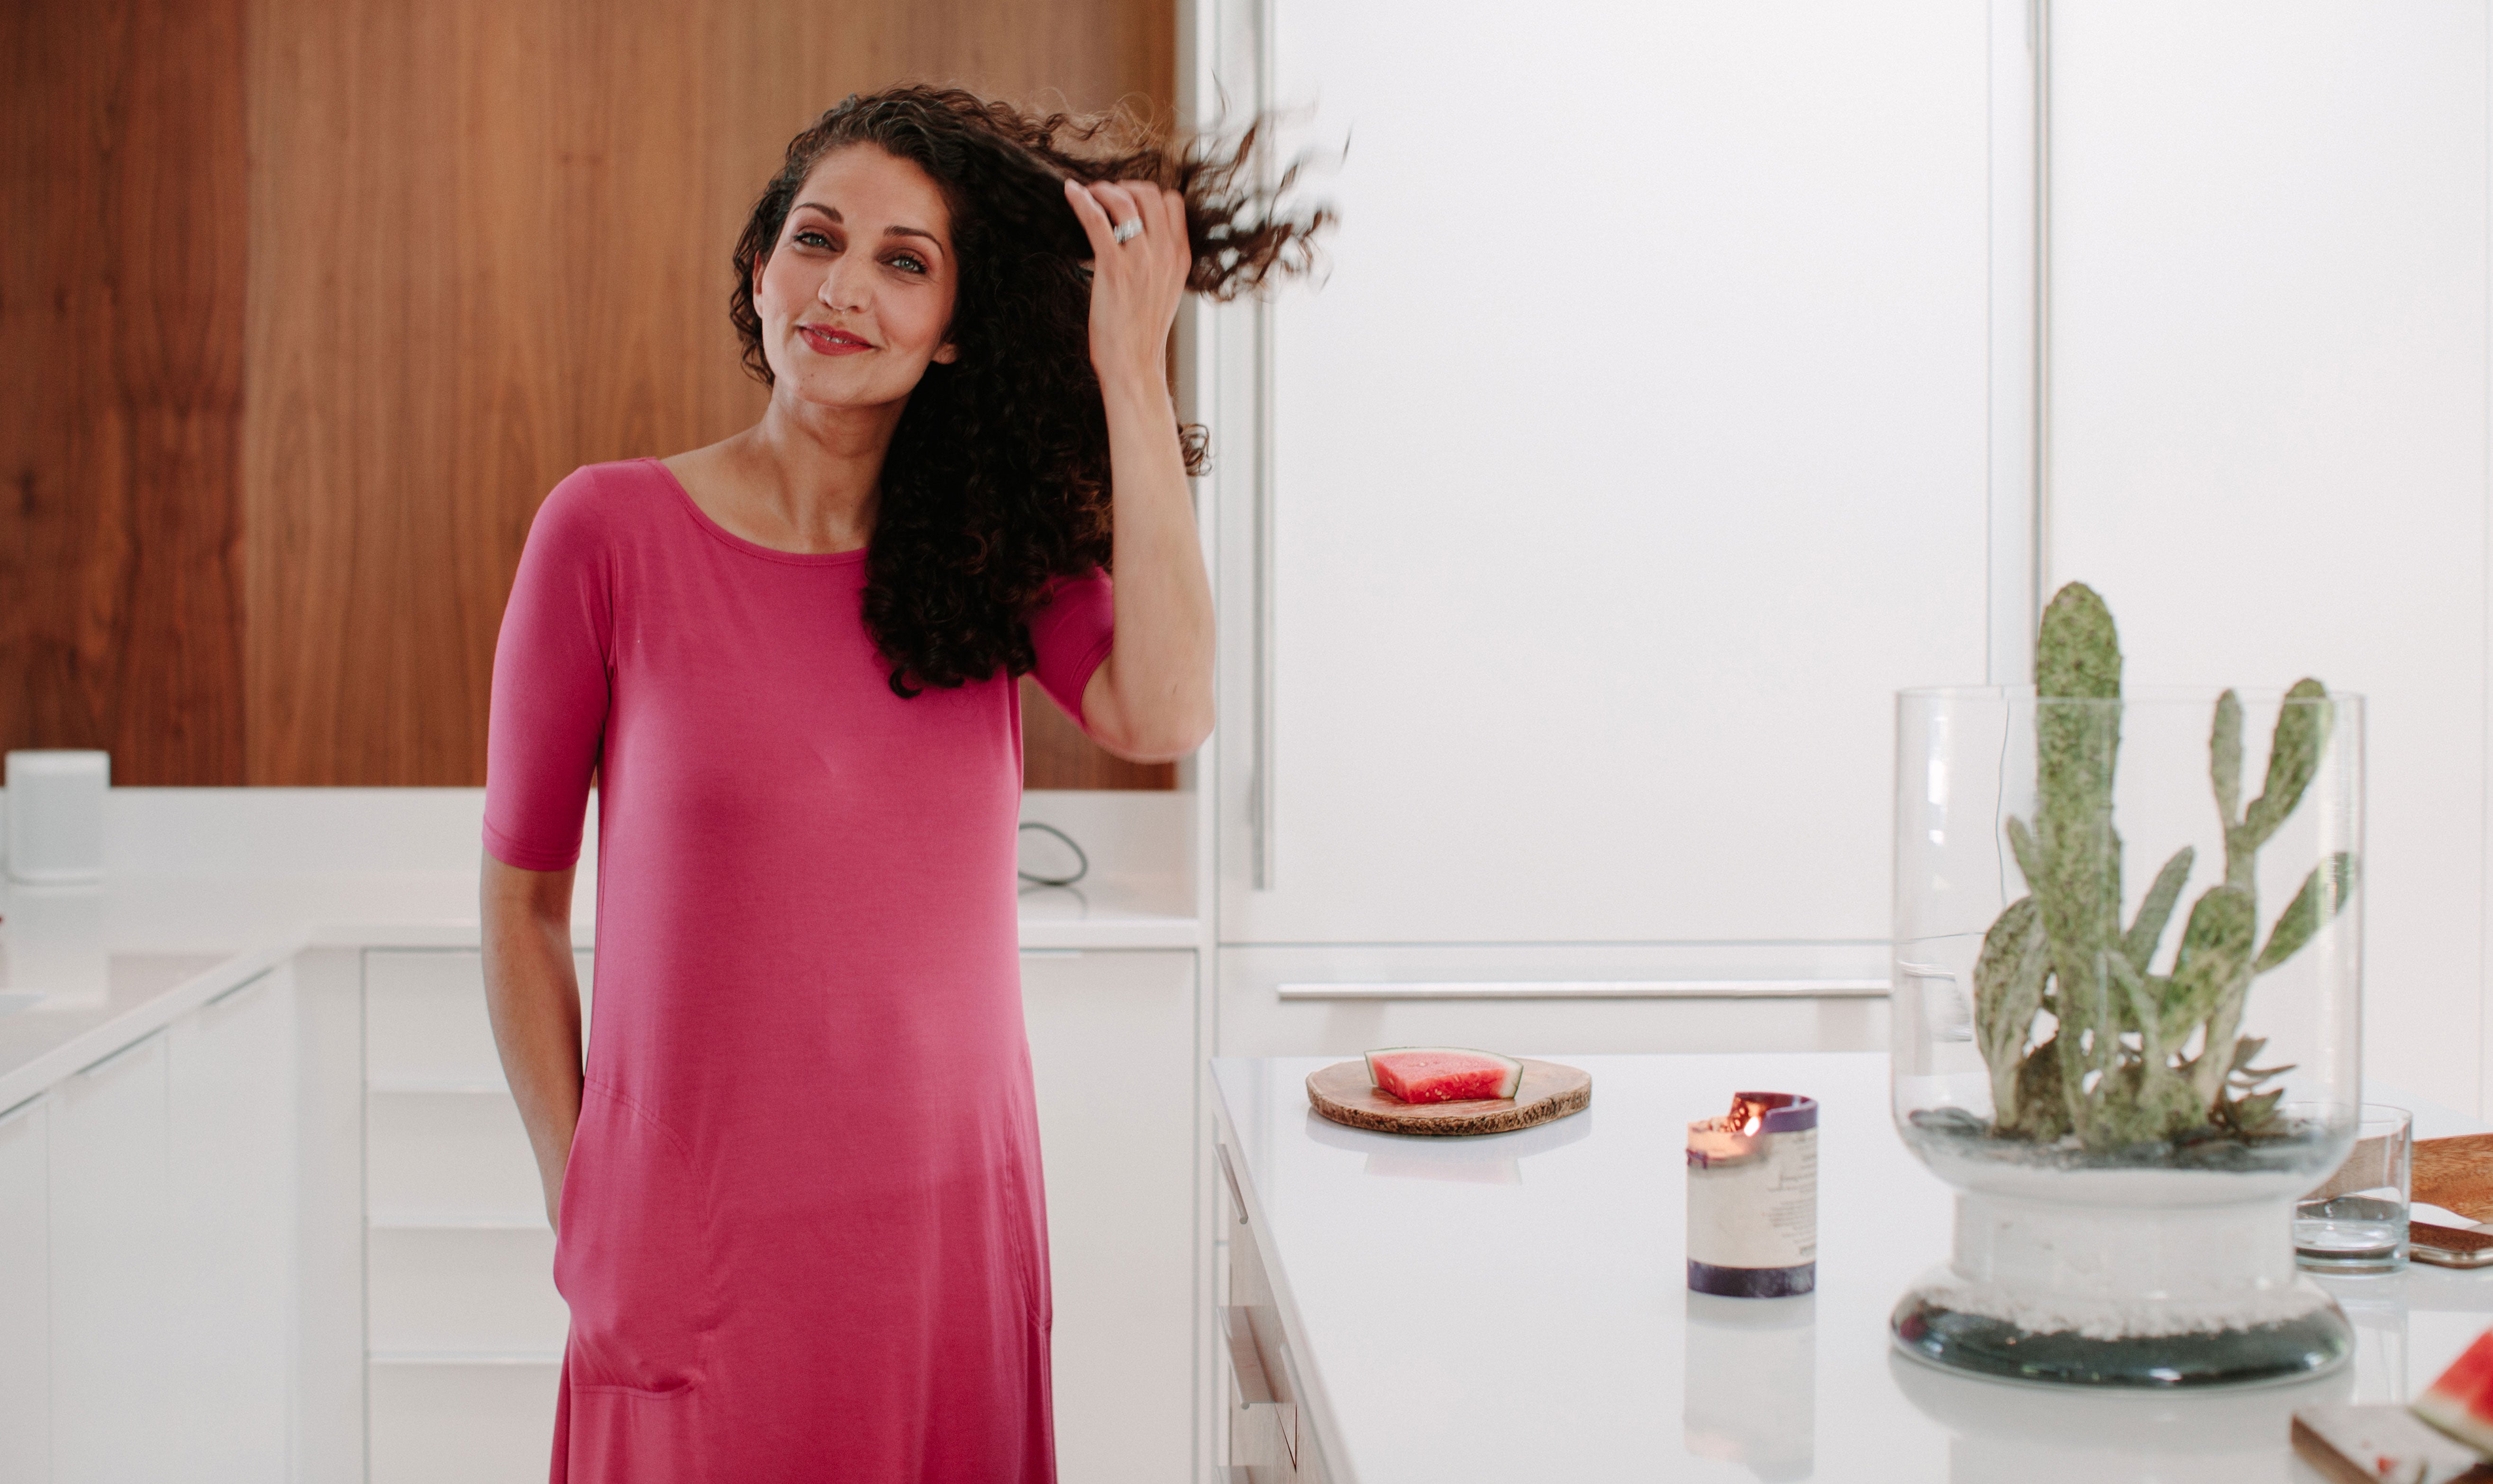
(2127, 980)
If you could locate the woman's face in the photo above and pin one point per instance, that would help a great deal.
(856, 297)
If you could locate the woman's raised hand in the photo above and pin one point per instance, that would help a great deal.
(1136, 285)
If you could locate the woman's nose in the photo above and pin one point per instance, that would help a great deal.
(841, 288)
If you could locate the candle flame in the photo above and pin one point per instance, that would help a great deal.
(1748, 1116)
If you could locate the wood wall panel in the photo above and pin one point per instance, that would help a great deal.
(122, 273)
(489, 243)
(406, 379)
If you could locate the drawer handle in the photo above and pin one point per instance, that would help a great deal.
(228, 996)
(1245, 1362)
(1254, 1380)
(1236, 1197)
(109, 1059)
(1595, 989)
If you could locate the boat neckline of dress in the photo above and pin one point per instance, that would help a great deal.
(704, 520)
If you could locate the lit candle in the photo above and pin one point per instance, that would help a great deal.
(1752, 1198)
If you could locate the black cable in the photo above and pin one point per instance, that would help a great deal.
(1079, 872)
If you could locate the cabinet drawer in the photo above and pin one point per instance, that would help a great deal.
(439, 1292)
(478, 1424)
(1340, 1001)
(449, 1158)
(25, 1296)
(425, 1022)
(1270, 1440)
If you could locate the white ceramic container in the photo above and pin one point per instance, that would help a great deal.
(56, 812)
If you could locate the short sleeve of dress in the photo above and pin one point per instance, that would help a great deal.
(551, 684)
(1072, 633)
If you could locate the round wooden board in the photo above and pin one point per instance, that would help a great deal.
(1548, 1091)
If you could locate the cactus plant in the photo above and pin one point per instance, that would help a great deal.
(2082, 1039)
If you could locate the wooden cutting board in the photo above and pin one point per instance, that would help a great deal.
(2457, 1174)
(1548, 1091)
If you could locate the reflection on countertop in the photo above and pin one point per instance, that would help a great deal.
(1749, 1392)
(1488, 1158)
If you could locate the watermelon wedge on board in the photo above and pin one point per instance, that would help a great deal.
(2461, 1402)
(1442, 1073)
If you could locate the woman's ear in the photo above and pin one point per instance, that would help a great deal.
(947, 353)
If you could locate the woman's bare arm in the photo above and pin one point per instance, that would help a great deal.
(1150, 700)
(533, 996)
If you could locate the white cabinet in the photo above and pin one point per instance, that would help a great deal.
(168, 1171)
(444, 1291)
(1634, 451)
(111, 1242)
(465, 1329)
(424, 1025)
(158, 1314)
(1113, 1054)
(25, 1297)
(230, 1167)
(474, 1421)
(448, 1158)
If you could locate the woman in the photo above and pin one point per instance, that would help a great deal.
(797, 1193)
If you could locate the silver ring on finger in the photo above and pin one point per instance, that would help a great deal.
(1125, 232)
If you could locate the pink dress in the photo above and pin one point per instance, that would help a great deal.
(802, 1233)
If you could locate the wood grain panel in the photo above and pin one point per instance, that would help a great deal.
(407, 379)
(490, 243)
(121, 347)
(1055, 754)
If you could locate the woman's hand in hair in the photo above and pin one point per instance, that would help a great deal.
(1136, 285)
(1152, 697)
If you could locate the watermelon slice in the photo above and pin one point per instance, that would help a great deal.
(2461, 1402)
(1442, 1073)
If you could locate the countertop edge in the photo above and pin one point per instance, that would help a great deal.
(103, 1042)
(1176, 933)
(49, 1069)
(1139, 932)
(1317, 1405)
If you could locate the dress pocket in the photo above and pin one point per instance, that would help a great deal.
(633, 1255)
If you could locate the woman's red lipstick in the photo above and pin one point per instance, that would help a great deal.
(830, 340)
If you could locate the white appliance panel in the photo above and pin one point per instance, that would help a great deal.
(1632, 454)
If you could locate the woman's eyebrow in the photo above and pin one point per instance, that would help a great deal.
(888, 231)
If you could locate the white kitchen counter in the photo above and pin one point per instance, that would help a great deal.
(1516, 1306)
(209, 888)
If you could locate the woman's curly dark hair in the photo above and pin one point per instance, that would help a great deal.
(997, 480)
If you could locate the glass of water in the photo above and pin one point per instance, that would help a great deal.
(2356, 1222)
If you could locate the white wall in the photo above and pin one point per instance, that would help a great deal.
(2268, 415)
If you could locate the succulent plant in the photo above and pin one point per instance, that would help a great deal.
(2115, 1066)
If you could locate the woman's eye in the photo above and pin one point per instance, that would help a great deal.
(908, 263)
(812, 238)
